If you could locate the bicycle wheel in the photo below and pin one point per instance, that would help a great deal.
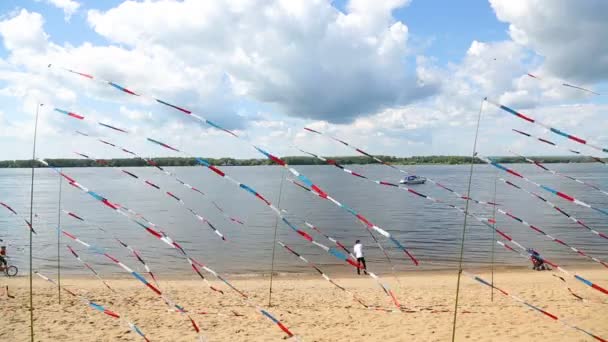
(11, 271)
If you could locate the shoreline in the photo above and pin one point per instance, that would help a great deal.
(445, 160)
(335, 271)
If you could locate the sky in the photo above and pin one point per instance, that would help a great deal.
(394, 77)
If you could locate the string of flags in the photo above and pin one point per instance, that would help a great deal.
(568, 85)
(552, 238)
(379, 281)
(533, 307)
(273, 158)
(527, 250)
(551, 143)
(97, 307)
(491, 224)
(28, 223)
(117, 208)
(334, 163)
(132, 250)
(85, 264)
(558, 209)
(330, 238)
(168, 193)
(544, 187)
(165, 238)
(158, 292)
(139, 277)
(303, 234)
(276, 211)
(552, 129)
(146, 160)
(555, 173)
(528, 255)
(311, 187)
(316, 268)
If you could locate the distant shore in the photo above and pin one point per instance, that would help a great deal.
(314, 309)
(293, 160)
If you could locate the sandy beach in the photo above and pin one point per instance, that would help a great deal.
(314, 309)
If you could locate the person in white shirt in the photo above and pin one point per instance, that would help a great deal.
(358, 249)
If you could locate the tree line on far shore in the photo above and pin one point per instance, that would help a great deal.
(294, 160)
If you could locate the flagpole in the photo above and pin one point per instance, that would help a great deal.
(493, 235)
(32, 223)
(464, 225)
(274, 241)
(59, 242)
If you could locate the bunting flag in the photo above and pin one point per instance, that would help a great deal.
(133, 251)
(168, 240)
(380, 182)
(489, 223)
(540, 165)
(139, 277)
(369, 225)
(276, 211)
(568, 85)
(147, 161)
(544, 187)
(168, 193)
(553, 130)
(380, 283)
(316, 268)
(560, 210)
(332, 239)
(333, 162)
(548, 142)
(268, 155)
(85, 264)
(165, 238)
(579, 88)
(102, 252)
(117, 208)
(552, 238)
(28, 223)
(97, 307)
(533, 307)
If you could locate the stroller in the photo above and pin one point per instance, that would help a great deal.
(538, 264)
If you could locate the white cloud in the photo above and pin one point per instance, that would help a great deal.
(69, 7)
(24, 32)
(570, 35)
(268, 69)
(306, 57)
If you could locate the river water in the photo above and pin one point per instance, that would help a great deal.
(431, 231)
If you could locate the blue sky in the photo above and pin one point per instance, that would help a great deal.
(394, 76)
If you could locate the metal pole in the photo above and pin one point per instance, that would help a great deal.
(493, 235)
(59, 242)
(274, 241)
(464, 225)
(32, 224)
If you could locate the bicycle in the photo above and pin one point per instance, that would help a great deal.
(9, 270)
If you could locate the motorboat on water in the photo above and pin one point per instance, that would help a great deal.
(413, 180)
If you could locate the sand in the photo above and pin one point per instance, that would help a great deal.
(314, 309)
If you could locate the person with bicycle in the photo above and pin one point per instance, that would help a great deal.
(3, 263)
